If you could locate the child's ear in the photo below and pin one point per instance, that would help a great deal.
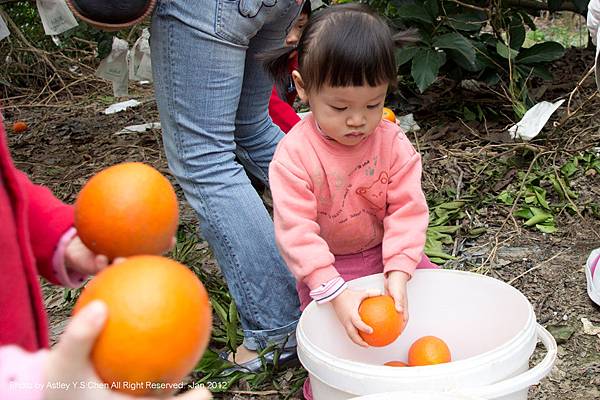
(300, 87)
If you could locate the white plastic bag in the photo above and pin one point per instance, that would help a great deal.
(56, 16)
(115, 69)
(4, 32)
(534, 120)
(140, 66)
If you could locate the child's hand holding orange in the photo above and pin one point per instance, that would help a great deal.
(395, 284)
(346, 307)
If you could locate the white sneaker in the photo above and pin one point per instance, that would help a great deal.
(592, 274)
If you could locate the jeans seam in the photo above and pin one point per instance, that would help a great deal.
(247, 156)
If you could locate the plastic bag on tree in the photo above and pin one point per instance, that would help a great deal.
(140, 66)
(4, 32)
(115, 69)
(56, 16)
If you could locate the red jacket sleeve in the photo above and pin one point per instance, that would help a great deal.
(282, 114)
(48, 220)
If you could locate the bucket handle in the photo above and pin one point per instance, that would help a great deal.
(527, 378)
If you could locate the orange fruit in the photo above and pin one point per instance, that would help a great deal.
(396, 364)
(127, 209)
(158, 326)
(19, 127)
(380, 314)
(389, 115)
(428, 350)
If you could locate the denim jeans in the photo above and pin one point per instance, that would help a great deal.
(212, 95)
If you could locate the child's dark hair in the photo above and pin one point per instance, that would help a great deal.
(343, 45)
(306, 8)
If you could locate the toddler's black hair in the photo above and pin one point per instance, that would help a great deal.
(343, 45)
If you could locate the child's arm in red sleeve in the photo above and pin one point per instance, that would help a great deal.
(49, 219)
(282, 114)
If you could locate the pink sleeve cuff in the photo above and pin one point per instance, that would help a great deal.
(66, 278)
(329, 290)
(319, 276)
(21, 373)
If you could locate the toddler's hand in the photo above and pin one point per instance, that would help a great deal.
(69, 362)
(346, 308)
(79, 258)
(395, 284)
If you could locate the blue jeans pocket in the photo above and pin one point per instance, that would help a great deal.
(238, 21)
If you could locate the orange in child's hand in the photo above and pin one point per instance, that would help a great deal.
(380, 314)
(127, 209)
(389, 114)
(396, 364)
(20, 127)
(159, 323)
(428, 350)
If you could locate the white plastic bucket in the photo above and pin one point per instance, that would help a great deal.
(489, 326)
(405, 395)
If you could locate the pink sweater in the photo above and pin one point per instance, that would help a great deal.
(330, 199)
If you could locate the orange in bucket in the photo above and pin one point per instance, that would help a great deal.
(428, 350)
(380, 314)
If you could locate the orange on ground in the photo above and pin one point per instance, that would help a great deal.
(127, 209)
(428, 350)
(396, 364)
(19, 127)
(159, 323)
(380, 314)
(389, 114)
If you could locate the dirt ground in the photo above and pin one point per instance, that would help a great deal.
(68, 142)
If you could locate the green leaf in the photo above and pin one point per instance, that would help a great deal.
(540, 195)
(506, 52)
(541, 52)
(527, 20)
(467, 21)
(468, 114)
(219, 310)
(546, 228)
(456, 41)
(539, 216)
(541, 71)
(506, 197)
(405, 54)
(451, 205)
(463, 63)
(425, 67)
(414, 12)
(524, 213)
(439, 254)
(432, 7)
(444, 229)
(232, 326)
(477, 231)
(211, 361)
(570, 168)
(516, 33)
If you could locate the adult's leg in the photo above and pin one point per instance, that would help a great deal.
(198, 57)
